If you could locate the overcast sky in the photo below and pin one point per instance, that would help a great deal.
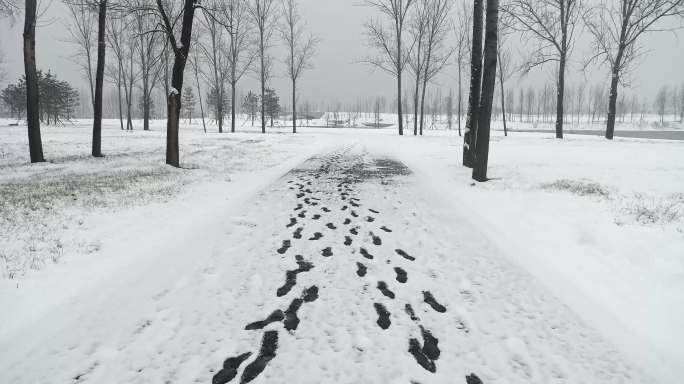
(338, 75)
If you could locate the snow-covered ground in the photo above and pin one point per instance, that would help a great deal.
(566, 267)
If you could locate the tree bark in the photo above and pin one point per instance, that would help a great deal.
(460, 98)
(399, 73)
(475, 85)
(503, 98)
(560, 97)
(32, 95)
(294, 106)
(199, 93)
(488, 85)
(233, 104)
(174, 97)
(99, 80)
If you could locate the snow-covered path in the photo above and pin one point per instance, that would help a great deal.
(345, 270)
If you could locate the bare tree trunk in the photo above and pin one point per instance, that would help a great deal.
(199, 93)
(503, 98)
(488, 85)
(99, 80)
(263, 88)
(174, 97)
(460, 99)
(118, 88)
(294, 106)
(399, 110)
(422, 106)
(560, 101)
(233, 104)
(32, 96)
(475, 86)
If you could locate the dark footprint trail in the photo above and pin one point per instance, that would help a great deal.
(402, 277)
(430, 300)
(327, 252)
(276, 316)
(291, 276)
(291, 320)
(316, 236)
(365, 254)
(347, 241)
(405, 255)
(298, 233)
(376, 239)
(286, 245)
(331, 226)
(354, 231)
(269, 345)
(384, 228)
(230, 367)
(293, 222)
(361, 269)
(382, 286)
(383, 316)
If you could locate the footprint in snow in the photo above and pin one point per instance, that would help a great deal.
(430, 300)
(402, 277)
(286, 245)
(382, 286)
(376, 239)
(383, 316)
(298, 233)
(404, 255)
(316, 236)
(269, 345)
(230, 367)
(361, 269)
(365, 254)
(327, 252)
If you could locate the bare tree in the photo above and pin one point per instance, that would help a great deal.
(82, 31)
(475, 85)
(463, 47)
(99, 78)
(418, 29)
(504, 61)
(300, 48)
(179, 43)
(114, 35)
(240, 56)
(616, 27)
(8, 8)
(681, 103)
(393, 55)
(32, 96)
(214, 51)
(264, 16)
(660, 103)
(491, 44)
(195, 63)
(149, 56)
(435, 52)
(552, 23)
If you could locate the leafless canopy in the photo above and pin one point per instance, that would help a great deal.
(553, 24)
(390, 59)
(616, 26)
(301, 47)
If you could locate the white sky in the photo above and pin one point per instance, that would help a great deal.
(337, 75)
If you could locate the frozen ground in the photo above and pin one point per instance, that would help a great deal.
(565, 268)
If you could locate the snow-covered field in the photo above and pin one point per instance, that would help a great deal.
(566, 267)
